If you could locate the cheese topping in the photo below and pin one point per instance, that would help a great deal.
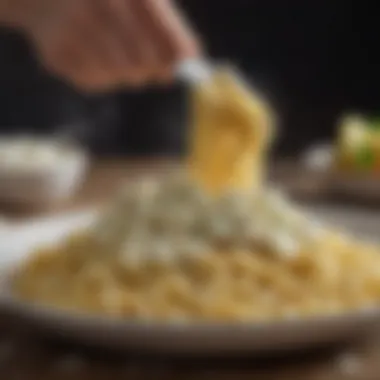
(221, 201)
(169, 219)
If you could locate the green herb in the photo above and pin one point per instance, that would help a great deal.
(365, 158)
(374, 123)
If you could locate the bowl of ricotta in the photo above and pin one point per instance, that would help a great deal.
(36, 170)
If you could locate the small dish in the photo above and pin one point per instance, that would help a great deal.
(38, 171)
(319, 159)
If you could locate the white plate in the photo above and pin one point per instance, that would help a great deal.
(200, 338)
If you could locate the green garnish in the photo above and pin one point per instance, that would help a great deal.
(374, 123)
(365, 158)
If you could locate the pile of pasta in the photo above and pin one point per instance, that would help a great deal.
(189, 259)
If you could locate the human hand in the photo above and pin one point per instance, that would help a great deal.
(102, 44)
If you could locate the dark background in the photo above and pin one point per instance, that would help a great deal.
(313, 59)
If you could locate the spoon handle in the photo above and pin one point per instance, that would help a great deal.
(194, 70)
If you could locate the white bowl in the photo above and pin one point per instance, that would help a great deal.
(50, 182)
(319, 159)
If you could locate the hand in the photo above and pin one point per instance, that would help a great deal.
(100, 44)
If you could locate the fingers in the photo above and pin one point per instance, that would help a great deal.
(117, 26)
(152, 36)
(87, 52)
(138, 47)
(99, 59)
(115, 60)
(101, 44)
(163, 23)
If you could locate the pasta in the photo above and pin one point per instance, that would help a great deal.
(213, 242)
(229, 119)
(223, 286)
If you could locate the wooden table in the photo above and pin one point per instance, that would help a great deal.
(24, 356)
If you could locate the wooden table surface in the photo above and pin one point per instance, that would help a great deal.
(26, 356)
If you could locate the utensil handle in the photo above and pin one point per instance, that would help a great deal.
(194, 70)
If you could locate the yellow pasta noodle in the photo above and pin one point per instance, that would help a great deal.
(236, 285)
(231, 132)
